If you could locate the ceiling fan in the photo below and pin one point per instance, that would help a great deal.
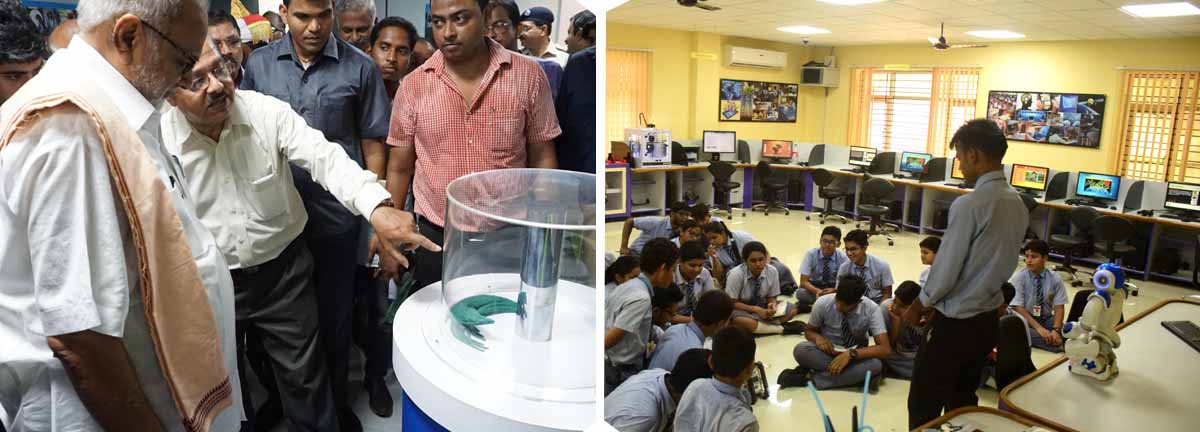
(698, 4)
(939, 43)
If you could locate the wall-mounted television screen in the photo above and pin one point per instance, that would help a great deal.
(1073, 119)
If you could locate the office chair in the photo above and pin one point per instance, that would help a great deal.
(771, 182)
(824, 180)
(873, 192)
(721, 172)
(1012, 351)
(1081, 221)
(743, 151)
(1115, 233)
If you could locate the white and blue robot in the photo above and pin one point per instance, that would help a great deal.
(1091, 340)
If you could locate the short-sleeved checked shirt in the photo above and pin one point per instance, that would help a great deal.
(511, 108)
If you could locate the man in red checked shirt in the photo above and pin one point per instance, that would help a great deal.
(474, 106)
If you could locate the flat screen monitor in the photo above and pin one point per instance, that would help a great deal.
(914, 162)
(861, 156)
(1099, 186)
(956, 171)
(1183, 196)
(777, 149)
(720, 142)
(1029, 177)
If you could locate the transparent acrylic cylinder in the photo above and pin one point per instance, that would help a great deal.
(523, 236)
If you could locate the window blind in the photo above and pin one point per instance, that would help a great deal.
(627, 90)
(1160, 131)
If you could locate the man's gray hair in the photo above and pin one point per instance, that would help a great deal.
(156, 12)
(356, 5)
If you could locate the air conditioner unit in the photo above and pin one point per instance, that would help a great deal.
(816, 76)
(757, 58)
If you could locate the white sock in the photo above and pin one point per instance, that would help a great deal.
(765, 328)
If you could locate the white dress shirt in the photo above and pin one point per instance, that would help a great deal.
(68, 265)
(243, 185)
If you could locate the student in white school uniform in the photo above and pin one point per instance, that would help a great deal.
(653, 227)
(905, 338)
(754, 286)
(874, 270)
(688, 230)
(628, 313)
(713, 312)
(1041, 298)
(727, 246)
(929, 249)
(835, 353)
(620, 271)
(646, 401)
(721, 403)
(692, 278)
(818, 271)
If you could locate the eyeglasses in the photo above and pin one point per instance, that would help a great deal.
(190, 60)
(500, 25)
(829, 242)
(232, 43)
(199, 81)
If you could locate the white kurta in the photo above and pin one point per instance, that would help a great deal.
(67, 264)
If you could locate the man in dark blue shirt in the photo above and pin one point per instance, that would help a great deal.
(576, 104)
(339, 91)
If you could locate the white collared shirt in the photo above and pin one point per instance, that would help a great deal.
(67, 264)
(243, 185)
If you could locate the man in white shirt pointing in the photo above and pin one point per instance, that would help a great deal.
(235, 147)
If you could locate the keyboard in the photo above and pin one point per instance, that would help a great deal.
(1086, 203)
(853, 170)
(963, 186)
(1185, 330)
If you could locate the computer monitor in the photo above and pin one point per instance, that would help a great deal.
(914, 162)
(777, 149)
(956, 171)
(1183, 196)
(861, 156)
(1029, 177)
(1097, 186)
(720, 142)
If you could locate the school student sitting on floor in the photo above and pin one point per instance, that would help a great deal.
(620, 271)
(700, 212)
(653, 227)
(692, 278)
(754, 284)
(663, 305)
(872, 269)
(688, 230)
(1041, 297)
(818, 271)
(728, 246)
(627, 320)
(929, 249)
(905, 339)
(712, 313)
(645, 402)
(721, 403)
(836, 352)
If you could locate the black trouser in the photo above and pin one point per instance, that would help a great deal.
(948, 365)
(428, 266)
(335, 257)
(275, 303)
(371, 332)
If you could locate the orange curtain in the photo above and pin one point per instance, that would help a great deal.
(859, 133)
(628, 90)
(953, 103)
(1160, 126)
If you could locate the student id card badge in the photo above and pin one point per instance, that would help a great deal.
(1036, 311)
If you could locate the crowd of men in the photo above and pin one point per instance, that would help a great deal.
(184, 204)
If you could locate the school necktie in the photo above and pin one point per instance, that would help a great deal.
(1041, 296)
(755, 295)
(826, 272)
(847, 335)
(689, 296)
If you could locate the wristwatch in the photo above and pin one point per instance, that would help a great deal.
(387, 202)
(854, 354)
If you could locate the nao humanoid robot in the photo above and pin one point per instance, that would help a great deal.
(1090, 341)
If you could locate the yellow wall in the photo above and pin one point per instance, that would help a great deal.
(685, 96)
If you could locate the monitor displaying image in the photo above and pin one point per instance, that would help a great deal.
(956, 171)
(1052, 118)
(861, 156)
(1099, 186)
(777, 149)
(1029, 177)
(720, 142)
(914, 162)
(1183, 196)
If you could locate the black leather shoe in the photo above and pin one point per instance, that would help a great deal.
(349, 421)
(381, 398)
(793, 328)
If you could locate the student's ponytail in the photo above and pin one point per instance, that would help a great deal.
(622, 265)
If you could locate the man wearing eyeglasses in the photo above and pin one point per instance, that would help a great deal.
(223, 30)
(338, 90)
(235, 147)
(118, 311)
(501, 19)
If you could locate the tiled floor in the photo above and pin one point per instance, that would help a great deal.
(793, 409)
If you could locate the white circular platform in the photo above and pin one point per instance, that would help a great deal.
(513, 384)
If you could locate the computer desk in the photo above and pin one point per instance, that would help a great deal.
(983, 418)
(1155, 389)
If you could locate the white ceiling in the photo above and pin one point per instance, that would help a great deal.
(910, 21)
